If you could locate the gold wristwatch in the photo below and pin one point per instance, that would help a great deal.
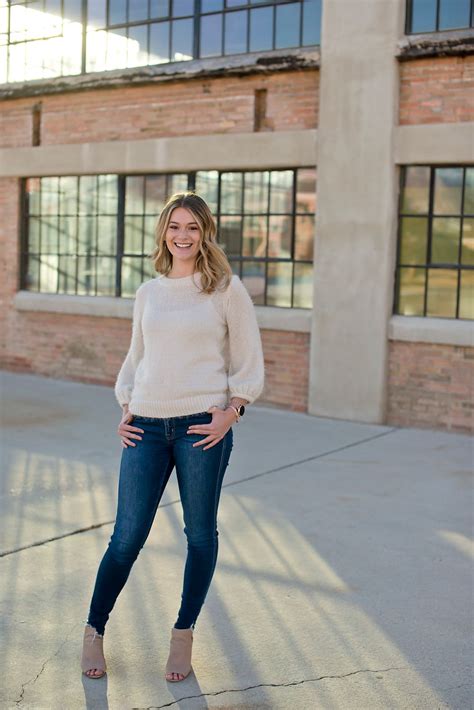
(240, 410)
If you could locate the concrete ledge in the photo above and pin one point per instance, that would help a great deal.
(434, 143)
(265, 62)
(224, 151)
(436, 44)
(443, 331)
(269, 318)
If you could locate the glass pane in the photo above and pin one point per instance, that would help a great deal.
(467, 254)
(67, 235)
(134, 195)
(416, 190)
(86, 275)
(159, 8)
(423, 18)
(49, 274)
(454, 14)
(131, 275)
(96, 59)
(49, 195)
(253, 278)
(306, 190)
(177, 183)
(107, 235)
(159, 43)
(235, 32)
(414, 240)
(288, 25)
(447, 191)
(256, 192)
(32, 273)
(279, 238)
(442, 287)
(155, 191)
(137, 10)
(108, 194)
(229, 235)
(116, 56)
(183, 8)
(303, 286)
(279, 284)
(34, 225)
(281, 191)
(148, 269)
(466, 300)
(211, 36)
(411, 291)
(231, 193)
(133, 235)
(469, 192)
(304, 237)
(68, 187)
(445, 240)
(49, 235)
(149, 236)
(261, 28)
(105, 267)
(137, 46)
(254, 236)
(87, 236)
(117, 11)
(235, 266)
(87, 194)
(96, 13)
(182, 40)
(67, 275)
(207, 183)
(211, 5)
(33, 186)
(311, 22)
(72, 10)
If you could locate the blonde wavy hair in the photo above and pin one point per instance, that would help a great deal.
(211, 259)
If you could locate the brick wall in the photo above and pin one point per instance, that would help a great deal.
(437, 90)
(191, 107)
(431, 386)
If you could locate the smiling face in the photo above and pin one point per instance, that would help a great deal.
(183, 235)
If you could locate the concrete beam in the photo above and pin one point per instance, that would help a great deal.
(356, 218)
(227, 151)
(435, 143)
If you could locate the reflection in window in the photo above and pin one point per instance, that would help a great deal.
(92, 234)
(436, 242)
(438, 15)
(41, 39)
(266, 225)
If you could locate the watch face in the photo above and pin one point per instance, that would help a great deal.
(241, 409)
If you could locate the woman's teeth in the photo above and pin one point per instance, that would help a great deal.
(183, 246)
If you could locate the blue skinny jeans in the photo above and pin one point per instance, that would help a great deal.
(144, 473)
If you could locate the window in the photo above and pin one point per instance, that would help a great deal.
(435, 263)
(41, 39)
(90, 235)
(438, 15)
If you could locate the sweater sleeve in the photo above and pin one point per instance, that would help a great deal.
(126, 376)
(246, 368)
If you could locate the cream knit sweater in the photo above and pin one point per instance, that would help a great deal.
(190, 350)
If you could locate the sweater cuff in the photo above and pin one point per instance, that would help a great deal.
(123, 395)
(249, 394)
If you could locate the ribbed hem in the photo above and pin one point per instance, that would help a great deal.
(176, 408)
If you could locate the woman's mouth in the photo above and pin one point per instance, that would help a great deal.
(183, 245)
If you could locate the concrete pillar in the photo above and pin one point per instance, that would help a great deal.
(357, 208)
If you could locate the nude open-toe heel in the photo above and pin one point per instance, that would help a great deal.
(93, 653)
(179, 661)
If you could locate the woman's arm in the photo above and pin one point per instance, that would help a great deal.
(126, 376)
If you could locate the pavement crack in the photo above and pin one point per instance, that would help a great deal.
(291, 464)
(33, 680)
(269, 685)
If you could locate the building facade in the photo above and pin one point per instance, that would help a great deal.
(334, 142)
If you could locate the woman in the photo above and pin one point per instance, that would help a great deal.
(194, 362)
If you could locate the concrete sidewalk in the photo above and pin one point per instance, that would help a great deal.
(343, 580)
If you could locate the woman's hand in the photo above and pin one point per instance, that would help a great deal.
(222, 421)
(125, 430)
